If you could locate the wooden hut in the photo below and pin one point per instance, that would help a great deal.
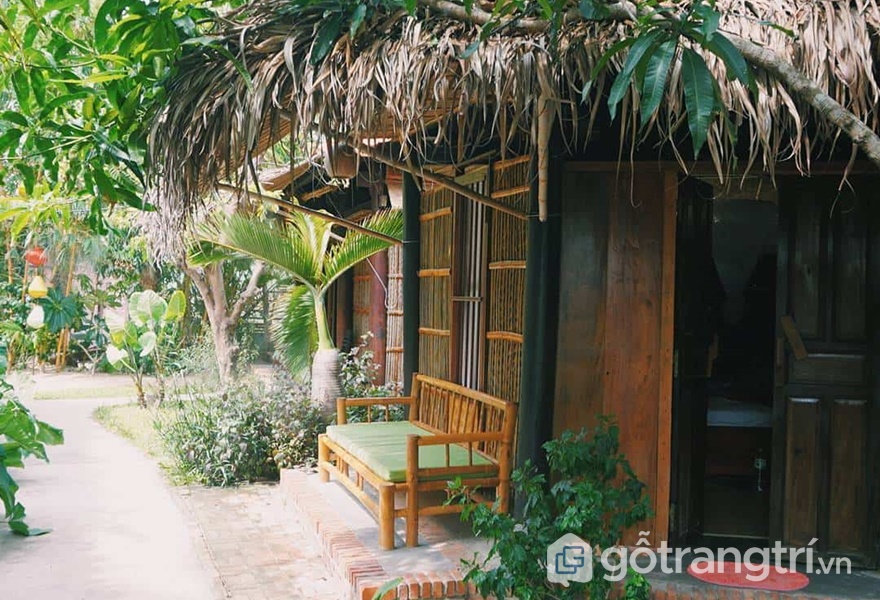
(723, 309)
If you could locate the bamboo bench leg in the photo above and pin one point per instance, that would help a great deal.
(412, 492)
(323, 457)
(386, 517)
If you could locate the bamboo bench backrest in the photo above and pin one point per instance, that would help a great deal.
(451, 408)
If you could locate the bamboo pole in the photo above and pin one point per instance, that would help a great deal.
(446, 182)
(64, 338)
(310, 211)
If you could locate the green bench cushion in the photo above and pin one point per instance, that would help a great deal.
(382, 447)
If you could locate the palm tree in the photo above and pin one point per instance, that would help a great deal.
(307, 250)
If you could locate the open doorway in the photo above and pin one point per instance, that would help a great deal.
(726, 261)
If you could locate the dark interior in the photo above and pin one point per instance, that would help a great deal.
(740, 294)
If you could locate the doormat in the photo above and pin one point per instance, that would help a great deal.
(745, 575)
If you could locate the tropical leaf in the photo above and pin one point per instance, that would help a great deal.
(293, 329)
(283, 249)
(640, 51)
(654, 83)
(176, 307)
(358, 246)
(700, 97)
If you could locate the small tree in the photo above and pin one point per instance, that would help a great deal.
(307, 251)
(144, 335)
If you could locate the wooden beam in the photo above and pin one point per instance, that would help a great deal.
(446, 182)
(310, 211)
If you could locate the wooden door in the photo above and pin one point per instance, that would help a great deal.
(697, 311)
(825, 408)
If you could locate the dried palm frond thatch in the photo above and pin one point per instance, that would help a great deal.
(401, 74)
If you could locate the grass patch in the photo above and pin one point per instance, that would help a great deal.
(104, 391)
(136, 425)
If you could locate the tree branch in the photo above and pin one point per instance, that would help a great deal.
(251, 290)
(794, 80)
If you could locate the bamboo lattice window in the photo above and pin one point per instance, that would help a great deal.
(472, 280)
(394, 327)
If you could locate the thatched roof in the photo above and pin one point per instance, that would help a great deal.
(400, 74)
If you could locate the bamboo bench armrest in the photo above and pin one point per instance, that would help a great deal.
(377, 400)
(443, 439)
(344, 403)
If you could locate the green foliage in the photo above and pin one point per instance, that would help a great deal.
(144, 335)
(296, 424)
(592, 493)
(61, 311)
(21, 435)
(248, 435)
(357, 374)
(84, 79)
(220, 441)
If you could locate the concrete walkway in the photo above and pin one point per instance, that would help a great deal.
(118, 532)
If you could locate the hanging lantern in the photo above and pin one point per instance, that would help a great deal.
(37, 288)
(340, 161)
(35, 257)
(36, 318)
(394, 183)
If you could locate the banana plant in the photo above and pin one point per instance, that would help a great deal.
(142, 336)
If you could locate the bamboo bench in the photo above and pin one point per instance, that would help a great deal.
(452, 432)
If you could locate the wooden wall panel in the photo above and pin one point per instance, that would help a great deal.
(580, 354)
(615, 319)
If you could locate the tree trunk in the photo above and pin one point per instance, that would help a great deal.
(325, 379)
(326, 387)
(226, 349)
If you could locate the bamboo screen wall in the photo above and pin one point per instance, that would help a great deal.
(508, 239)
(472, 281)
(394, 327)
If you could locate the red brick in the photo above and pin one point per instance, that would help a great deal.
(403, 591)
(437, 587)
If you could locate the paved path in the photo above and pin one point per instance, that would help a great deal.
(118, 531)
(260, 549)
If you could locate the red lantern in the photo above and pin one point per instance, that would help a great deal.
(35, 257)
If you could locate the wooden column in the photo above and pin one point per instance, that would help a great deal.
(344, 307)
(539, 335)
(411, 259)
(378, 312)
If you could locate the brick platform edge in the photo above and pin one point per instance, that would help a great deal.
(354, 563)
(352, 560)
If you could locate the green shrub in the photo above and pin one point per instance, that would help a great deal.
(594, 495)
(220, 441)
(357, 372)
(296, 422)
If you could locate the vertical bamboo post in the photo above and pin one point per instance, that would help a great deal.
(341, 417)
(64, 337)
(504, 458)
(386, 516)
(412, 492)
(323, 458)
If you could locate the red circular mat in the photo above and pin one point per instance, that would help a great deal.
(778, 579)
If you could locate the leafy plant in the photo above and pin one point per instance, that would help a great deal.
(60, 311)
(21, 435)
(143, 336)
(220, 442)
(358, 372)
(592, 492)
